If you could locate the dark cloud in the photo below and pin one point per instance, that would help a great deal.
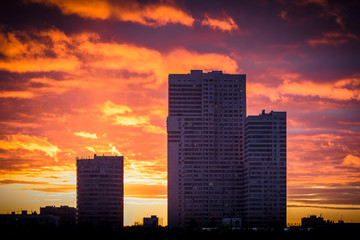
(10, 181)
(321, 196)
(323, 207)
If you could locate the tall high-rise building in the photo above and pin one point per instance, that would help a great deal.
(100, 190)
(205, 147)
(265, 170)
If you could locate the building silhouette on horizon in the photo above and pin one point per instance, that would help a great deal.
(265, 170)
(205, 147)
(152, 221)
(25, 219)
(66, 214)
(207, 169)
(100, 190)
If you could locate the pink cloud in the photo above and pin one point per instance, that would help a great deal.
(224, 24)
(333, 39)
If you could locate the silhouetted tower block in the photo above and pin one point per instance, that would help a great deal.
(100, 191)
(265, 170)
(205, 147)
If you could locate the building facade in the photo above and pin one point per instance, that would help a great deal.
(67, 214)
(205, 147)
(100, 190)
(152, 221)
(265, 170)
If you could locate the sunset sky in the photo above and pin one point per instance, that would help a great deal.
(82, 77)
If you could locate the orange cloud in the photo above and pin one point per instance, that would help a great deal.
(11, 181)
(116, 114)
(351, 161)
(57, 189)
(91, 149)
(181, 60)
(30, 54)
(109, 108)
(31, 143)
(105, 148)
(10, 45)
(145, 172)
(43, 86)
(84, 57)
(149, 61)
(225, 24)
(49, 85)
(292, 85)
(45, 186)
(333, 39)
(114, 151)
(39, 65)
(86, 135)
(130, 120)
(151, 14)
(16, 94)
(348, 123)
(330, 91)
(88, 9)
(317, 161)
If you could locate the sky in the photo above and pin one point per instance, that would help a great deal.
(82, 77)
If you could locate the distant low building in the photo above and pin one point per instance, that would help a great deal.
(312, 221)
(67, 214)
(25, 219)
(318, 223)
(152, 221)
